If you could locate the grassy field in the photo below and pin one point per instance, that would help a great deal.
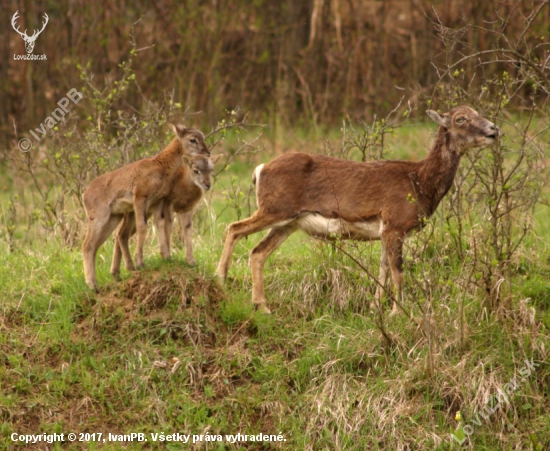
(168, 350)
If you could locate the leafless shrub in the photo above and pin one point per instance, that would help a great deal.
(491, 209)
(368, 140)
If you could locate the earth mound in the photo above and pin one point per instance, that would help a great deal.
(175, 302)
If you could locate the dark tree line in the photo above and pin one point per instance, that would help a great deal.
(288, 62)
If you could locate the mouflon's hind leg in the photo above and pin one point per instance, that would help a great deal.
(238, 230)
(115, 262)
(99, 229)
(274, 238)
(122, 248)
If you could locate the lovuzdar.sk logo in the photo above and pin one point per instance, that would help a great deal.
(29, 40)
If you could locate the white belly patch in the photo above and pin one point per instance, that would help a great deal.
(317, 225)
(122, 205)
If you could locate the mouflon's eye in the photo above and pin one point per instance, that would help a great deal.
(460, 120)
(193, 140)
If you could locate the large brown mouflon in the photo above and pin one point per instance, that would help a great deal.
(379, 200)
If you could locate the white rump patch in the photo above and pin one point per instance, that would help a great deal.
(317, 225)
(257, 178)
(257, 173)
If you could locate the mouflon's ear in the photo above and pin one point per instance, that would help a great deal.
(178, 129)
(443, 120)
(217, 158)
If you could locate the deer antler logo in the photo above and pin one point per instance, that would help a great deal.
(29, 40)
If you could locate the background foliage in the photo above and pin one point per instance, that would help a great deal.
(288, 62)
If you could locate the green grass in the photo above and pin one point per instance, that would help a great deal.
(169, 350)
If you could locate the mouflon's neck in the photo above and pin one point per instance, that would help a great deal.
(171, 155)
(438, 170)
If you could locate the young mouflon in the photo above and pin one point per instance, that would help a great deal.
(194, 178)
(132, 188)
